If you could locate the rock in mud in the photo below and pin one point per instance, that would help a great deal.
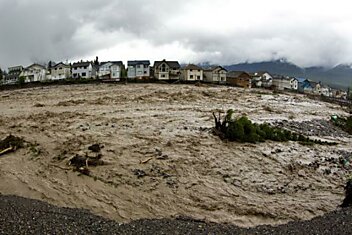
(11, 141)
(95, 148)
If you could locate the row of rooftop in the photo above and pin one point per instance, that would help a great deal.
(163, 70)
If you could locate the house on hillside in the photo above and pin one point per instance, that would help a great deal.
(338, 94)
(167, 70)
(304, 85)
(13, 75)
(239, 78)
(281, 82)
(266, 78)
(34, 73)
(111, 70)
(83, 70)
(60, 71)
(325, 90)
(256, 80)
(294, 83)
(138, 69)
(316, 87)
(192, 73)
(262, 79)
(285, 83)
(215, 75)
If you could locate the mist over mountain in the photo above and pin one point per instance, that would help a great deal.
(339, 76)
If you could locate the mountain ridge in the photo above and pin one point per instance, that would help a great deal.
(339, 76)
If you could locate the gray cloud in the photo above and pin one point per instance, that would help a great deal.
(42, 30)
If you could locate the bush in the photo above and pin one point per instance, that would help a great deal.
(344, 123)
(243, 130)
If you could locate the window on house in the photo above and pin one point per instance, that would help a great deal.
(191, 76)
(191, 70)
(163, 75)
(163, 68)
(84, 74)
(145, 72)
(198, 77)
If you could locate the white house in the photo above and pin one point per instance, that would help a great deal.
(167, 70)
(13, 75)
(285, 83)
(60, 71)
(111, 70)
(82, 70)
(138, 69)
(192, 73)
(34, 73)
(215, 75)
(325, 90)
(316, 88)
(266, 78)
(294, 84)
(256, 79)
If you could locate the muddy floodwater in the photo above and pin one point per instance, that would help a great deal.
(161, 159)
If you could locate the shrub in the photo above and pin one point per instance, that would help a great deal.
(344, 123)
(243, 130)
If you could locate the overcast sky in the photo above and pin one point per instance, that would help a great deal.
(306, 32)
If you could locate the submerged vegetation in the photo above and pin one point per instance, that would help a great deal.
(344, 123)
(243, 130)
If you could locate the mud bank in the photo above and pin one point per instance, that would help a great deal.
(160, 158)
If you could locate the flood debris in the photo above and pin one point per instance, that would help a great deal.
(139, 173)
(146, 160)
(82, 163)
(10, 144)
(95, 148)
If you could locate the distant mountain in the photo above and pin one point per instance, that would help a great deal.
(276, 67)
(339, 76)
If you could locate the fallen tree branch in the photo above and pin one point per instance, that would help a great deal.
(146, 160)
(10, 149)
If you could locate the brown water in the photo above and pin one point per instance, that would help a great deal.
(188, 171)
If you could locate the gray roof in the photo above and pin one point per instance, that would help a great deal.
(138, 62)
(281, 77)
(236, 74)
(261, 73)
(60, 65)
(192, 66)
(215, 67)
(39, 65)
(81, 64)
(171, 64)
(120, 63)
